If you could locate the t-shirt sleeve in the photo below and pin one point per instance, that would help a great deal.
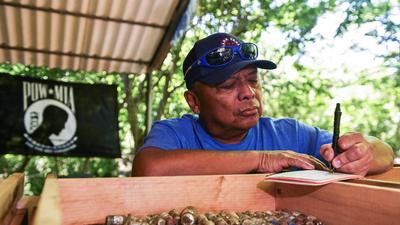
(312, 138)
(161, 136)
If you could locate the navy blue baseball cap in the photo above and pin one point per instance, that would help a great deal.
(215, 75)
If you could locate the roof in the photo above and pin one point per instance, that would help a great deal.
(125, 36)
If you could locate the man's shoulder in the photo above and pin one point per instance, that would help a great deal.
(278, 121)
(286, 124)
(175, 123)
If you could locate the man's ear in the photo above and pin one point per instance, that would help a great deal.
(193, 101)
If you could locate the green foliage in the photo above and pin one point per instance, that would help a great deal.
(304, 98)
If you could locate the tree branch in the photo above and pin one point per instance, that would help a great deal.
(172, 70)
(132, 108)
(24, 164)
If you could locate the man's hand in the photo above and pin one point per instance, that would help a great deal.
(355, 154)
(276, 161)
(354, 158)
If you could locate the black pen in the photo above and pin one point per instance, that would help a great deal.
(336, 131)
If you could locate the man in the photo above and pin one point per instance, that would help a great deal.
(229, 135)
(53, 122)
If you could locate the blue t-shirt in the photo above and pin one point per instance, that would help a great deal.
(268, 134)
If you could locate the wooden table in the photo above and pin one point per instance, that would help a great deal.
(374, 200)
(90, 200)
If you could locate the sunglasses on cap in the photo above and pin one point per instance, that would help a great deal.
(222, 56)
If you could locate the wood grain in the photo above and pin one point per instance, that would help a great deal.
(391, 175)
(48, 211)
(379, 183)
(342, 202)
(19, 217)
(11, 190)
(86, 201)
(90, 200)
(28, 204)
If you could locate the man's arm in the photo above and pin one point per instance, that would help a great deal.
(157, 162)
(360, 154)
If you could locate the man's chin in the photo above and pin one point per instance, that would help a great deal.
(249, 122)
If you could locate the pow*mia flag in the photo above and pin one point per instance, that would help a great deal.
(43, 117)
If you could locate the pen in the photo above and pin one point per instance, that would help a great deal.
(336, 130)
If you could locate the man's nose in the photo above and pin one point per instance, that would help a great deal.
(246, 91)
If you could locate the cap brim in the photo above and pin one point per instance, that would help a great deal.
(219, 75)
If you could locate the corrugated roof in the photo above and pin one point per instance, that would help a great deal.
(130, 36)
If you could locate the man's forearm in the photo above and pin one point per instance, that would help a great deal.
(383, 156)
(157, 162)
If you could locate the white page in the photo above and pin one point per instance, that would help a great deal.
(310, 177)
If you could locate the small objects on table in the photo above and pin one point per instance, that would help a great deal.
(190, 216)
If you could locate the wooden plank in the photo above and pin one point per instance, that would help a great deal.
(342, 202)
(11, 190)
(28, 203)
(48, 211)
(391, 175)
(89, 201)
(380, 183)
(19, 217)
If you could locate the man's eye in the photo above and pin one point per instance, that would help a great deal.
(226, 86)
(253, 81)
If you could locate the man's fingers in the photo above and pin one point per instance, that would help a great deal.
(346, 157)
(355, 153)
(279, 160)
(357, 167)
(349, 139)
(326, 152)
(300, 163)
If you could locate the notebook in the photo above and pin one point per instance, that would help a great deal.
(310, 177)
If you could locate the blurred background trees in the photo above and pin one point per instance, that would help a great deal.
(298, 35)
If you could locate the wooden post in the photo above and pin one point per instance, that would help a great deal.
(26, 207)
(48, 211)
(149, 102)
(11, 190)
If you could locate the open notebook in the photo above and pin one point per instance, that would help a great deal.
(310, 177)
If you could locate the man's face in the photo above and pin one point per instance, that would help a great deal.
(233, 104)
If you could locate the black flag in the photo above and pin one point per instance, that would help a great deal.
(44, 117)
